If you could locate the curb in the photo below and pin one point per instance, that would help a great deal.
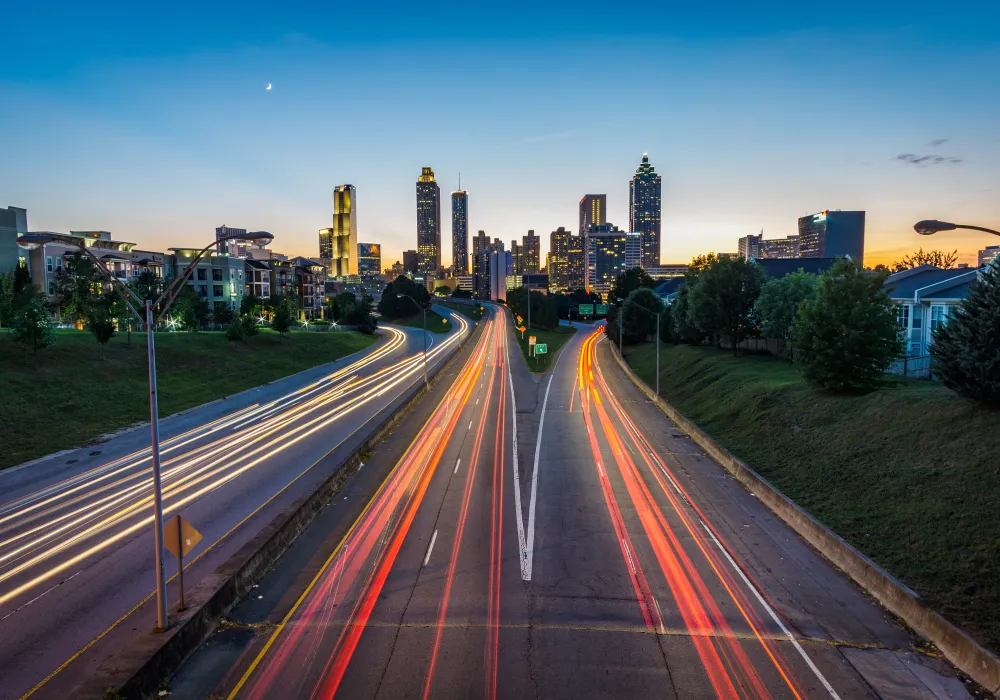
(138, 669)
(957, 646)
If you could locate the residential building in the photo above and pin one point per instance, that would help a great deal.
(988, 255)
(428, 224)
(369, 260)
(565, 261)
(480, 242)
(517, 258)
(218, 279)
(338, 245)
(258, 278)
(460, 233)
(644, 190)
(832, 234)
(634, 242)
(234, 243)
(530, 253)
(605, 256)
(926, 297)
(490, 270)
(13, 222)
(410, 261)
(283, 282)
(593, 211)
(757, 248)
(310, 284)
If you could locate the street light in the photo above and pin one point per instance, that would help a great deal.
(649, 311)
(620, 310)
(932, 226)
(31, 241)
(424, 312)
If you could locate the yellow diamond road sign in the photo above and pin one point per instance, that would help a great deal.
(180, 537)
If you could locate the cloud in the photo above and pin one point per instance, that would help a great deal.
(545, 137)
(937, 142)
(924, 161)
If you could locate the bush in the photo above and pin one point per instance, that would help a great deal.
(250, 325)
(33, 324)
(966, 351)
(235, 330)
(848, 335)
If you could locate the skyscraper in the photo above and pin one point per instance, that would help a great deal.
(517, 258)
(530, 253)
(338, 245)
(593, 210)
(369, 260)
(833, 234)
(565, 266)
(410, 261)
(605, 247)
(644, 210)
(480, 242)
(459, 233)
(428, 224)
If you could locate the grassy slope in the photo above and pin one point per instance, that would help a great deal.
(908, 474)
(73, 396)
(555, 340)
(473, 312)
(436, 323)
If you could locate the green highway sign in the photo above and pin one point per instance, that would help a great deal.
(541, 348)
(586, 309)
(602, 309)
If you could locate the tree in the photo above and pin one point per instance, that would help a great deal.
(638, 324)
(33, 322)
(22, 278)
(250, 304)
(847, 336)
(544, 309)
(222, 313)
(723, 298)
(667, 325)
(282, 320)
(191, 308)
(629, 281)
(102, 323)
(7, 304)
(442, 291)
(77, 286)
(685, 329)
(249, 324)
(236, 329)
(341, 306)
(361, 315)
(937, 258)
(965, 354)
(779, 302)
(393, 307)
(461, 294)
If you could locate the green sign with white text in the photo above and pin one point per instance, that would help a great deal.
(541, 348)
(586, 309)
(602, 309)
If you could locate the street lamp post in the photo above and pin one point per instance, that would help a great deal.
(424, 312)
(621, 309)
(929, 227)
(32, 241)
(650, 311)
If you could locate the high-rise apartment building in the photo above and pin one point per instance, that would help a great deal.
(565, 261)
(489, 270)
(605, 249)
(410, 261)
(480, 242)
(530, 253)
(428, 224)
(593, 210)
(832, 234)
(338, 245)
(369, 260)
(459, 233)
(517, 258)
(634, 249)
(988, 255)
(644, 194)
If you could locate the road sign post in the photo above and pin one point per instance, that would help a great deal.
(180, 540)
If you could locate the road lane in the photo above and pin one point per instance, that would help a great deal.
(75, 548)
(645, 578)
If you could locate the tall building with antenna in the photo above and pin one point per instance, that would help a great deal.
(459, 231)
(428, 224)
(338, 245)
(644, 210)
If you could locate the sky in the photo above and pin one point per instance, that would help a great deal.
(154, 122)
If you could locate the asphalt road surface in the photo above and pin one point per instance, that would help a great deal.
(555, 537)
(76, 546)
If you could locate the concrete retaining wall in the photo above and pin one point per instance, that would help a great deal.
(139, 669)
(958, 647)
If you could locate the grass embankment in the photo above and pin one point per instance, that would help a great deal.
(74, 396)
(436, 323)
(908, 474)
(555, 339)
(470, 311)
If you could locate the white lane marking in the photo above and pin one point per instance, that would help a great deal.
(477, 402)
(456, 465)
(470, 425)
(534, 475)
(663, 628)
(599, 469)
(430, 548)
(628, 555)
(522, 545)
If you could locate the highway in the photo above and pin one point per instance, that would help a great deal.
(76, 545)
(558, 538)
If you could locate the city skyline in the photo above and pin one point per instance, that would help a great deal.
(152, 107)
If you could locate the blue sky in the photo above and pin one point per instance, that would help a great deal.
(154, 123)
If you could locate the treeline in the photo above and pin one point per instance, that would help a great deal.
(547, 309)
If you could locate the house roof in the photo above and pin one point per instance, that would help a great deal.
(927, 282)
(780, 267)
(257, 264)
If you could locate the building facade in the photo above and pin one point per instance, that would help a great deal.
(517, 258)
(369, 260)
(832, 234)
(605, 257)
(460, 233)
(634, 247)
(13, 221)
(410, 261)
(258, 278)
(531, 251)
(218, 279)
(757, 248)
(988, 255)
(565, 261)
(310, 284)
(338, 245)
(644, 195)
(593, 211)
(428, 224)
(926, 297)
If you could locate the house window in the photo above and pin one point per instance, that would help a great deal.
(203, 289)
(52, 287)
(59, 264)
(903, 316)
(216, 290)
(939, 316)
(916, 317)
(216, 275)
(201, 274)
(48, 264)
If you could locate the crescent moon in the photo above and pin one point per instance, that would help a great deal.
(268, 86)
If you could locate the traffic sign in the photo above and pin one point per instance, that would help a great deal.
(180, 538)
(602, 309)
(531, 340)
(541, 348)
(586, 309)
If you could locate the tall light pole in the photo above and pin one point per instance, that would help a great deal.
(32, 241)
(621, 312)
(929, 227)
(650, 311)
(424, 312)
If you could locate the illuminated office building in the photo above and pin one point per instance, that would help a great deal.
(428, 224)
(644, 210)
(832, 234)
(459, 233)
(338, 245)
(593, 211)
(369, 260)
(565, 261)
(530, 253)
(605, 250)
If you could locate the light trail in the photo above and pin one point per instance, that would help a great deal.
(51, 528)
